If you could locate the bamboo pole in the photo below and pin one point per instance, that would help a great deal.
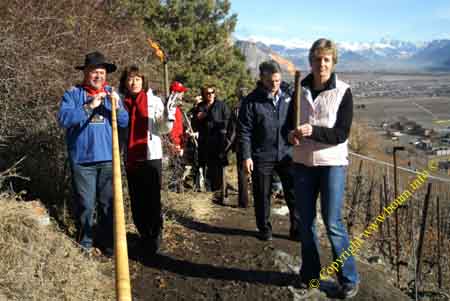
(423, 226)
(388, 224)
(166, 78)
(123, 286)
(369, 203)
(397, 233)
(381, 233)
(438, 213)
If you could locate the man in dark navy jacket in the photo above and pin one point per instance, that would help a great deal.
(265, 119)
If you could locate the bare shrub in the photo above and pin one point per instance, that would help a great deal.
(40, 43)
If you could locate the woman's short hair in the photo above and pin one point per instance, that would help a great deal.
(323, 46)
(129, 71)
(205, 88)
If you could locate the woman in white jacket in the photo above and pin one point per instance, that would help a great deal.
(149, 119)
(320, 156)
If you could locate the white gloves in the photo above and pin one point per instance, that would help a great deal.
(171, 106)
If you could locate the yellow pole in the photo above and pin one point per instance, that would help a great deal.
(123, 287)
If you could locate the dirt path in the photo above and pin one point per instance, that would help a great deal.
(212, 253)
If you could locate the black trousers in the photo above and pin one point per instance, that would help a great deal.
(262, 184)
(214, 174)
(242, 182)
(144, 186)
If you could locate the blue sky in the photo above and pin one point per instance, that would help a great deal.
(343, 20)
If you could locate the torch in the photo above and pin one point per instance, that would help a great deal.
(162, 56)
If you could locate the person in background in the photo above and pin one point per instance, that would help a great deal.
(321, 156)
(192, 138)
(233, 129)
(149, 119)
(265, 119)
(211, 119)
(85, 113)
(177, 138)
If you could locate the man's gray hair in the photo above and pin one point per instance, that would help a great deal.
(269, 67)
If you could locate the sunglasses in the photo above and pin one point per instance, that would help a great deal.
(210, 92)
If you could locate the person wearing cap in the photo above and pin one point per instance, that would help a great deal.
(265, 118)
(149, 119)
(177, 139)
(211, 119)
(85, 113)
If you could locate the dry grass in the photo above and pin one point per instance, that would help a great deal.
(195, 205)
(40, 263)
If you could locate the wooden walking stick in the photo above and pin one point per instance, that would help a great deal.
(297, 98)
(123, 286)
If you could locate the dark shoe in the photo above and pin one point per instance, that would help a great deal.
(218, 198)
(108, 252)
(153, 244)
(305, 290)
(349, 290)
(231, 187)
(265, 236)
(150, 246)
(157, 242)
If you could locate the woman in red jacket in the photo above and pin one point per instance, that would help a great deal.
(148, 120)
(177, 139)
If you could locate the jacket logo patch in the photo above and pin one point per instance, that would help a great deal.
(97, 118)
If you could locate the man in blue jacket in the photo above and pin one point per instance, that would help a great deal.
(85, 113)
(265, 119)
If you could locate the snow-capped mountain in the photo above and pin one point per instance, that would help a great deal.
(385, 54)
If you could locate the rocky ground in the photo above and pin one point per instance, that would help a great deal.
(210, 252)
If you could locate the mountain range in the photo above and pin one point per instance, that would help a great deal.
(385, 55)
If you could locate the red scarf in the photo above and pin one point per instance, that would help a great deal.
(92, 91)
(138, 128)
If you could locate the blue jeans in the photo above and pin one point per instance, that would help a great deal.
(330, 182)
(92, 186)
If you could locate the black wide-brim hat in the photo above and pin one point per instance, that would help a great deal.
(97, 59)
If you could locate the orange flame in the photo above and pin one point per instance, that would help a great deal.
(156, 49)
